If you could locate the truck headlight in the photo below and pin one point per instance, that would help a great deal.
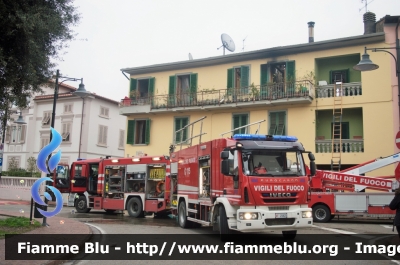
(306, 214)
(248, 216)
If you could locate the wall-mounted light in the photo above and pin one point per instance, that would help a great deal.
(136, 159)
(156, 158)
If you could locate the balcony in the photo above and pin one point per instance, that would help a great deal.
(348, 146)
(349, 90)
(300, 92)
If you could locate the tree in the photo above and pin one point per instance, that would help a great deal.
(13, 164)
(32, 165)
(33, 32)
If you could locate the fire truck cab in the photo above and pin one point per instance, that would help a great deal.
(248, 183)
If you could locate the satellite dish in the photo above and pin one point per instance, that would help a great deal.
(227, 43)
(190, 56)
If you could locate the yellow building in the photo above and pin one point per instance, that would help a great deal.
(290, 90)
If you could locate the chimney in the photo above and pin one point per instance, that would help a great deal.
(311, 31)
(369, 23)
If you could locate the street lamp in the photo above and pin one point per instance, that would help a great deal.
(80, 91)
(367, 65)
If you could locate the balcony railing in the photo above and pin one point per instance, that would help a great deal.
(271, 92)
(348, 146)
(349, 89)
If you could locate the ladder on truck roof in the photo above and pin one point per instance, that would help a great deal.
(336, 147)
(245, 126)
(373, 164)
(184, 131)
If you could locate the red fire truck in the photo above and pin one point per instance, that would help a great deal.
(139, 185)
(343, 193)
(245, 183)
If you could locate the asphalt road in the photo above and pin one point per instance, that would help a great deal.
(103, 223)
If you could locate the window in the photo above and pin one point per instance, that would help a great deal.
(238, 79)
(121, 139)
(138, 132)
(142, 88)
(345, 130)
(182, 89)
(182, 135)
(339, 76)
(66, 132)
(277, 122)
(15, 134)
(67, 107)
(46, 118)
(240, 120)
(102, 140)
(44, 142)
(104, 112)
(278, 73)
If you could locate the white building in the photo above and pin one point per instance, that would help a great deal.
(100, 133)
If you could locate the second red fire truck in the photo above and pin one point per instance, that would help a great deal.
(139, 185)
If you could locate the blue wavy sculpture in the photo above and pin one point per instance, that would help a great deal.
(47, 150)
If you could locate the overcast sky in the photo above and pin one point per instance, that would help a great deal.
(116, 34)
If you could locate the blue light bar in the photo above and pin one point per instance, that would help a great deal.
(282, 138)
(259, 137)
(256, 137)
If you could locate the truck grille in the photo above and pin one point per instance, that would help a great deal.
(286, 221)
(280, 200)
(278, 208)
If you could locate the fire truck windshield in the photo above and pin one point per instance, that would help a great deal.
(272, 163)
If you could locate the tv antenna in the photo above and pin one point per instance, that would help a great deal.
(190, 56)
(366, 5)
(227, 43)
(243, 43)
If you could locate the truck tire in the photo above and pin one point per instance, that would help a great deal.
(224, 229)
(81, 205)
(182, 218)
(289, 234)
(135, 207)
(321, 214)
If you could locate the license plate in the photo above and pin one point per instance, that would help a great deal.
(281, 215)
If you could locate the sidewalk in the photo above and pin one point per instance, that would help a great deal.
(57, 225)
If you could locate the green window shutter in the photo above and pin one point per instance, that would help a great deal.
(132, 88)
(272, 123)
(281, 121)
(179, 124)
(229, 83)
(147, 136)
(236, 124)
(131, 132)
(185, 121)
(290, 76)
(244, 78)
(244, 122)
(151, 86)
(171, 90)
(193, 87)
(264, 80)
(347, 76)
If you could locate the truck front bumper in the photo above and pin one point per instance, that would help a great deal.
(254, 220)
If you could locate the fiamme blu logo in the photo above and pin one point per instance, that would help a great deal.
(48, 169)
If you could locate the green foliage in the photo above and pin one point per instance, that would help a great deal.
(32, 167)
(20, 172)
(13, 164)
(17, 225)
(17, 222)
(32, 35)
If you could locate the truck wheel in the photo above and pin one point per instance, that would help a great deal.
(289, 234)
(135, 207)
(81, 205)
(182, 218)
(223, 224)
(321, 214)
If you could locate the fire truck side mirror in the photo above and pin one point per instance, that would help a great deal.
(224, 154)
(225, 167)
(312, 164)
